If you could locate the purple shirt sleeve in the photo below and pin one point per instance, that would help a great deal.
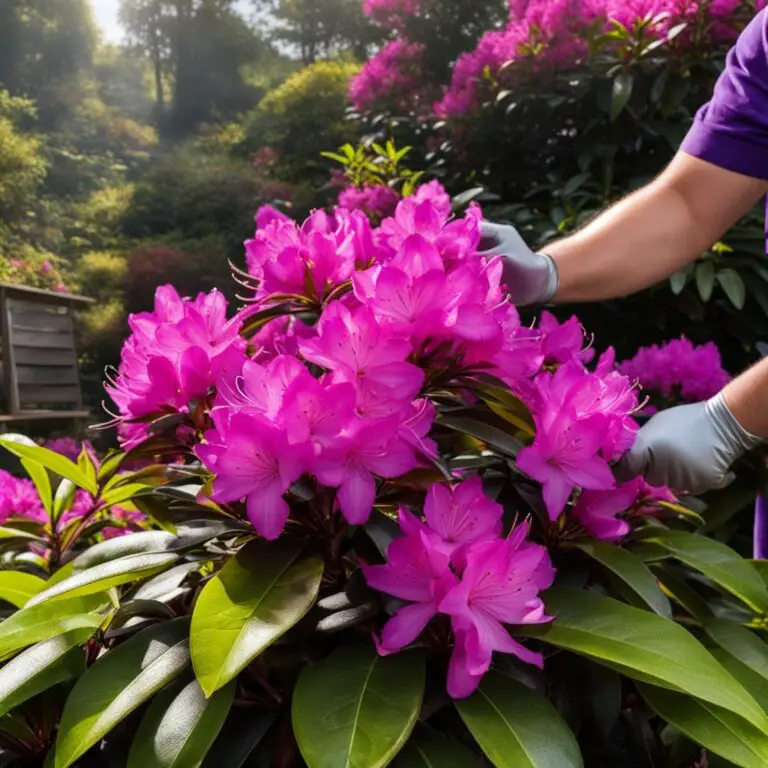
(731, 131)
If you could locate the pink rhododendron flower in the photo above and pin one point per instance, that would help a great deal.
(417, 570)
(499, 585)
(378, 200)
(599, 511)
(252, 458)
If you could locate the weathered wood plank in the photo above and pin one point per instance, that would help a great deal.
(46, 376)
(42, 321)
(45, 357)
(42, 340)
(41, 395)
(43, 416)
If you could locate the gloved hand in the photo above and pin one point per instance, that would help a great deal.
(689, 448)
(531, 278)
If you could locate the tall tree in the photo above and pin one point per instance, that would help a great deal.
(316, 28)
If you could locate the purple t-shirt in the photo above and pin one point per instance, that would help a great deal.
(732, 130)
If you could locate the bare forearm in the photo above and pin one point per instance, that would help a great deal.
(747, 398)
(654, 232)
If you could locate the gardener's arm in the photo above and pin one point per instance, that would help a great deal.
(653, 233)
(719, 174)
(692, 447)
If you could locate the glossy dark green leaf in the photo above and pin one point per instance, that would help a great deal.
(255, 598)
(639, 584)
(516, 728)
(50, 460)
(621, 93)
(242, 733)
(17, 587)
(118, 683)
(166, 585)
(717, 729)
(489, 434)
(41, 667)
(41, 622)
(429, 749)
(65, 495)
(123, 546)
(102, 577)
(643, 646)
(718, 562)
(356, 708)
(180, 726)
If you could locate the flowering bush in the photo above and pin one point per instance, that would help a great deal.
(374, 485)
(678, 371)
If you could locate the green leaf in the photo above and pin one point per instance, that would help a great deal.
(621, 93)
(41, 667)
(50, 460)
(643, 646)
(107, 575)
(516, 728)
(17, 587)
(241, 734)
(678, 281)
(124, 546)
(180, 727)
(719, 563)
(639, 584)
(740, 643)
(65, 495)
(118, 683)
(42, 481)
(122, 493)
(733, 287)
(356, 708)
(487, 433)
(41, 622)
(255, 599)
(705, 280)
(466, 197)
(711, 726)
(575, 183)
(429, 749)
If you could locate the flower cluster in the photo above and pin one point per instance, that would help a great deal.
(391, 76)
(456, 563)
(375, 199)
(540, 34)
(678, 370)
(328, 387)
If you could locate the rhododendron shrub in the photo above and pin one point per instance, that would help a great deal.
(388, 530)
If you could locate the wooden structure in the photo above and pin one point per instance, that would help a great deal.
(40, 376)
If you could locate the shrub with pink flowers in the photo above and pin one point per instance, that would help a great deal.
(387, 530)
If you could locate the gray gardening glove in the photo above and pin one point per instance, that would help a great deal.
(531, 278)
(689, 448)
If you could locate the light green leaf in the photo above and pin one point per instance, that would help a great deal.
(356, 708)
(740, 643)
(639, 584)
(41, 667)
(124, 546)
(643, 646)
(41, 622)
(65, 494)
(50, 460)
(180, 727)
(733, 287)
(516, 728)
(118, 683)
(42, 481)
(107, 575)
(255, 599)
(715, 728)
(705, 280)
(429, 749)
(719, 563)
(17, 587)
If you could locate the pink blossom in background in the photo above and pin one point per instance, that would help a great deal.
(66, 446)
(389, 75)
(678, 369)
(376, 200)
